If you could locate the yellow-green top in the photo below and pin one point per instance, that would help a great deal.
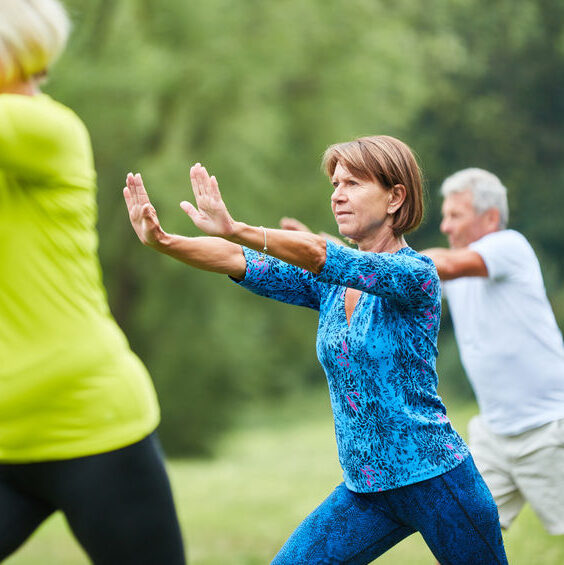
(69, 383)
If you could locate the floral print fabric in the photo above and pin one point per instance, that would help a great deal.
(391, 426)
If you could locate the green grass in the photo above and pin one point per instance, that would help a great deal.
(269, 474)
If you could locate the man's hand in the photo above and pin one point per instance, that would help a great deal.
(292, 224)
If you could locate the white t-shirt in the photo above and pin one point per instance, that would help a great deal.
(509, 342)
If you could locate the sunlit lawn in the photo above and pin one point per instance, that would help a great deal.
(280, 463)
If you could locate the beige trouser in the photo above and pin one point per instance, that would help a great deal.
(528, 467)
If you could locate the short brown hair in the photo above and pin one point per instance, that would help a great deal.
(388, 161)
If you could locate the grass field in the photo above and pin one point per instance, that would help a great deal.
(272, 471)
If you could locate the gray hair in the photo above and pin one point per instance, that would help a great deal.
(487, 191)
(32, 35)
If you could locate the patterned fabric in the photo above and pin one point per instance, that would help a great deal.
(390, 424)
(455, 514)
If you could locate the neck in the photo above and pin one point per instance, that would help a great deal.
(383, 241)
(26, 88)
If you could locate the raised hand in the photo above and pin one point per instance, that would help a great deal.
(211, 215)
(292, 224)
(142, 214)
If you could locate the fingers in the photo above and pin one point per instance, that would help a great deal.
(214, 188)
(208, 212)
(128, 198)
(189, 209)
(334, 239)
(150, 216)
(198, 178)
(203, 185)
(136, 189)
(141, 192)
(132, 190)
(292, 224)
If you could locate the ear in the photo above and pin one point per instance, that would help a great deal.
(396, 197)
(491, 219)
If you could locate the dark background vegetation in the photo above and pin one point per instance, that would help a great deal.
(256, 90)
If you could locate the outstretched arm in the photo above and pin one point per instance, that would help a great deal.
(456, 263)
(305, 250)
(207, 253)
(293, 224)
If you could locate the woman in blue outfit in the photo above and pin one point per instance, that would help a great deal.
(405, 468)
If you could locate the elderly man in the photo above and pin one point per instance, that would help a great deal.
(510, 345)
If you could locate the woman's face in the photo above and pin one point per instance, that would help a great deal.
(361, 207)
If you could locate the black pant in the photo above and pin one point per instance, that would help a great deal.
(118, 504)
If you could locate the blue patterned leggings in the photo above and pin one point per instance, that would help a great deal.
(454, 512)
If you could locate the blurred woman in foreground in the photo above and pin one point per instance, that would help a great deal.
(405, 468)
(77, 408)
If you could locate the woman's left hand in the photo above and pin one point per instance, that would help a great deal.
(211, 215)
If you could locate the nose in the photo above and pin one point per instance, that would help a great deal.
(445, 226)
(338, 195)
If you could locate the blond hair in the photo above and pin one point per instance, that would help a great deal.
(32, 35)
(385, 160)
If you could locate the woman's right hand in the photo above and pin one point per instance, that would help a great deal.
(142, 214)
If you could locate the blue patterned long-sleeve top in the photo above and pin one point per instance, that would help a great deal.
(390, 424)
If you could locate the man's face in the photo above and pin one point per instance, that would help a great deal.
(461, 224)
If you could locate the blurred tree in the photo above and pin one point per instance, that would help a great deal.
(256, 91)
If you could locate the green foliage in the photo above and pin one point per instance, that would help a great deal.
(256, 91)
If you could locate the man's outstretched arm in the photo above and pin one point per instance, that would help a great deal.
(456, 263)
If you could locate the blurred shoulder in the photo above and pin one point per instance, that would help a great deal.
(35, 111)
(502, 241)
